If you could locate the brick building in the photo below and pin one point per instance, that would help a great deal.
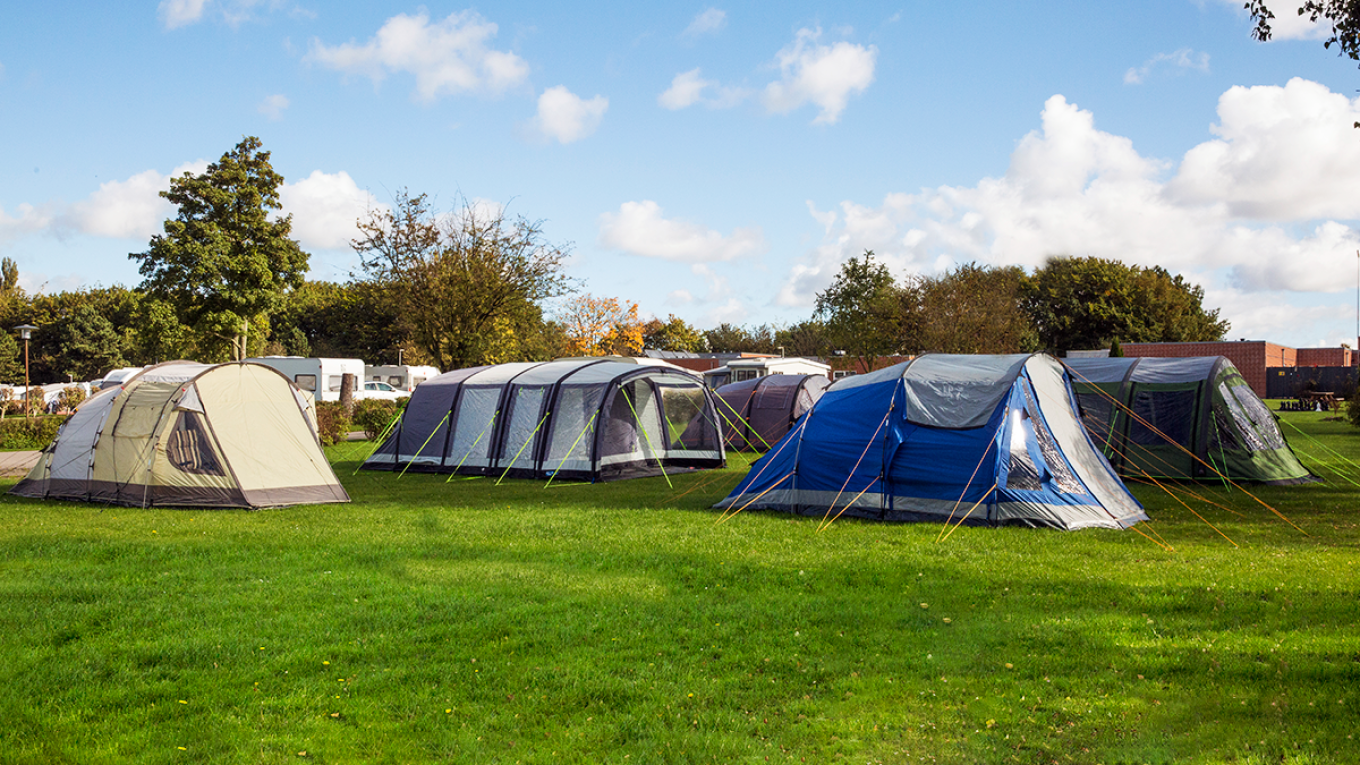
(1251, 357)
(1326, 357)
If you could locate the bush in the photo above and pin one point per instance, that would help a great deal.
(332, 424)
(373, 415)
(1353, 409)
(70, 398)
(19, 433)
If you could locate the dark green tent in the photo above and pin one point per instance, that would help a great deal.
(1199, 405)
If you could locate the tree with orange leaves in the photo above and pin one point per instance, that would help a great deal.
(598, 326)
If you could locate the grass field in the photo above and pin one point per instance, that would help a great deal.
(460, 621)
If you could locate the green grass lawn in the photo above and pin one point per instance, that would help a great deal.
(462, 621)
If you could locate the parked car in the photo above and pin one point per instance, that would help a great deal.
(381, 390)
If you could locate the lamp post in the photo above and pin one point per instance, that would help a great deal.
(26, 332)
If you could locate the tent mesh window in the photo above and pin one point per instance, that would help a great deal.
(633, 427)
(1063, 478)
(1260, 416)
(1021, 472)
(1246, 427)
(189, 447)
(684, 405)
(1224, 435)
(1170, 412)
(574, 421)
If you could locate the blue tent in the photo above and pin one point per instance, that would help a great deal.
(995, 439)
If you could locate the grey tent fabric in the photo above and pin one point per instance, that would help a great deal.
(757, 413)
(581, 419)
(943, 390)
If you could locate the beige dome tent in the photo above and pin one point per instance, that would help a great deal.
(189, 434)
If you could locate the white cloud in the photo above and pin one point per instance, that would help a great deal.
(823, 75)
(129, 209)
(1178, 62)
(565, 117)
(178, 13)
(448, 57)
(689, 88)
(640, 228)
(325, 207)
(1282, 153)
(1230, 215)
(273, 106)
(25, 220)
(685, 90)
(710, 20)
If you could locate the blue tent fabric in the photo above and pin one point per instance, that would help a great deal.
(930, 438)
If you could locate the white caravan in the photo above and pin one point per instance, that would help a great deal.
(320, 377)
(738, 370)
(402, 377)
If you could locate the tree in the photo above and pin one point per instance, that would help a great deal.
(9, 275)
(352, 320)
(1084, 303)
(470, 284)
(1342, 15)
(731, 338)
(157, 335)
(601, 327)
(974, 309)
(87, 344)
(862, 310)
(222, 262)
(11, 360)
(674, 334)
(806, 338)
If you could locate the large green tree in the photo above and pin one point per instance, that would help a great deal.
(974, 309)
(734, 338)
(88, 344)
(1089, 302)
(226, 260)
(862, 310)
(469, 284)
(11, 359)
(351, 320)
(674, 334)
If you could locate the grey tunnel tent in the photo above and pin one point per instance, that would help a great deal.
(757, 413)
(1150, 415)
(189, 434)
(586, 419)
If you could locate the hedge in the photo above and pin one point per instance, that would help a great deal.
(24, 433)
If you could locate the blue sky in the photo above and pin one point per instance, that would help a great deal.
(717, 162)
